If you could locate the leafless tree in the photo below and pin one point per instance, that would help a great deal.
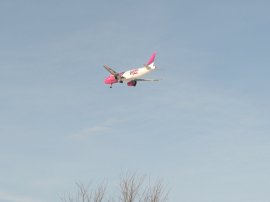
(85, 194)
(132, 189)
(154, 193)
(130, 186)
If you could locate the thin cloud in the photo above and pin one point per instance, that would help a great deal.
(8, 197)
(91, 131)
(97, 129)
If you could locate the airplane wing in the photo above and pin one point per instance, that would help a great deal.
(117, 75)
(146, 79)
(111, 70)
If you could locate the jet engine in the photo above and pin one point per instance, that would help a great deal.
(132, 83)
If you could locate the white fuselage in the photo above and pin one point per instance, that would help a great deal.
(136, 73)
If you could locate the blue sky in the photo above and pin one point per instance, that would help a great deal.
(204, 128)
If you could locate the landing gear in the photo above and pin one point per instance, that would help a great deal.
(111, 86)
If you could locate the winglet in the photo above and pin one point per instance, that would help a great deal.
(152, 58)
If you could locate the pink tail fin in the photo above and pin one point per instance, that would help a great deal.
(152, 58)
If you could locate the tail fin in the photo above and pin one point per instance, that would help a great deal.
(152, 59)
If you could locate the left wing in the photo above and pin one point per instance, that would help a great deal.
(117, 76)
(110, 70)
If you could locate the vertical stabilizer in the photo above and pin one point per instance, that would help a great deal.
(151, 60)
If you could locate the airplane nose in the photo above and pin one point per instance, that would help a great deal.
(110, 80)
(107, 80)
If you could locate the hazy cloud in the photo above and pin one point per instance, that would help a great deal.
(8, 197)
(90, 131)
(97, 129)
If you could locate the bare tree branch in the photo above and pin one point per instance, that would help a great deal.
(99, 194)
(154, 193)
(130, 186)
(132, 189)
(83, 194)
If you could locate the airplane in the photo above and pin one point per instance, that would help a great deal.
(131, 77)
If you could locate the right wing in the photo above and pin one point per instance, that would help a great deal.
(146, 79)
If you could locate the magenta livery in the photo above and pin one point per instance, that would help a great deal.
(131, 77)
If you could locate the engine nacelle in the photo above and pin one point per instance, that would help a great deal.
(132, 83)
